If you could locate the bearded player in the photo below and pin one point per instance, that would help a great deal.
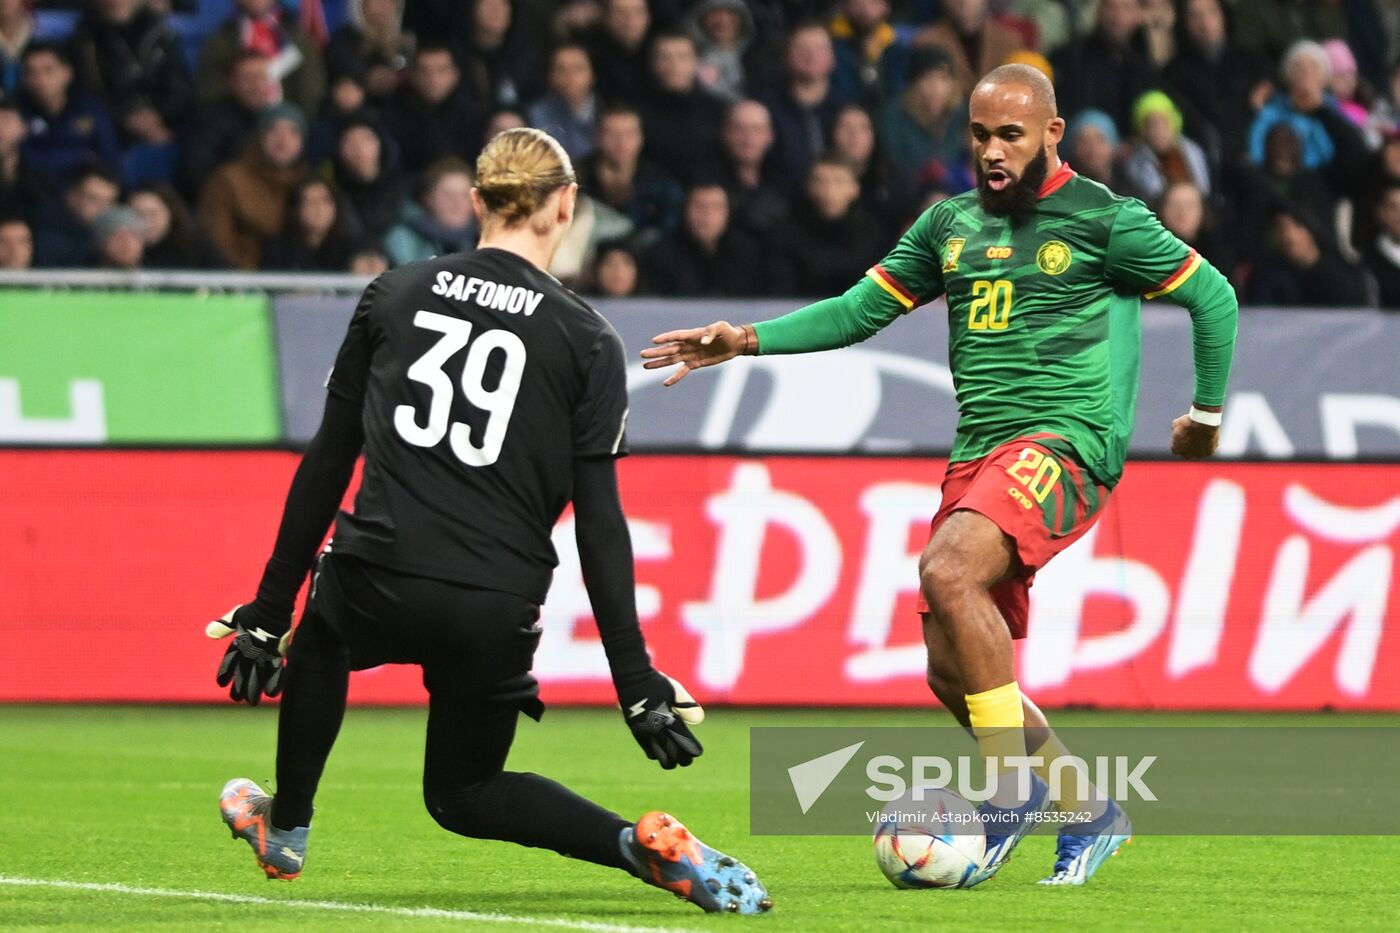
(1043, 272)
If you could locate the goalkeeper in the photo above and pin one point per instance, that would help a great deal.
(447, 556)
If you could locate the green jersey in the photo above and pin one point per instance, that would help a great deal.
(1043, 314)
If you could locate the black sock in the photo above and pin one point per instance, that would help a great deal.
(531, 810)
(313, 706)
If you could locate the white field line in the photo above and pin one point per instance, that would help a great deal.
(433, 913)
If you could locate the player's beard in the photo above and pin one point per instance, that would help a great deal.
(1021, 195)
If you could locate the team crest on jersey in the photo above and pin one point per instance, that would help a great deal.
(955, 248)
(1053, 257)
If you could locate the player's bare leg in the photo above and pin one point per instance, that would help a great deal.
(1081, 849)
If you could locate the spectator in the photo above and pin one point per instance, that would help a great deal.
(925, 134)
(1310, 110)
(243, 204)
(500, 121)
(618, 175)
(1184, 211)
(127, 54)
(619, 48)
(1368, 185)
(314, 237)
(220, 131)
(373, 190)
(17, 30)
(1218, 83)
(1299, 270)
(681, 120)
(369, 259)
(16, 244)
(294, 61)
(861, 35)
(758, 192)
(347, 102)
(20, 190)
(67, 128)
(1091, 144)
(1344, 82)
(1156, 36)
(615, 272)
(831, 239)
(1105, 72)
(372, 48)
(118, 231)
(63, 235)
(805, 105)
(1270, 27)
(172, 241)
(441, 221)
(706, 257)
(972, 40)
(433, 116)
(853, 141)
(1161, 155)
(569, 110)
(594, 223)
(724, 36)
(1383, 255)
(1282, 182)
(500, 65)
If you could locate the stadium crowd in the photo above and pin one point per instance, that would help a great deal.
(724, 147)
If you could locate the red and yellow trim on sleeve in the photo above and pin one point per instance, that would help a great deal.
(886, 281)
(1174, 281)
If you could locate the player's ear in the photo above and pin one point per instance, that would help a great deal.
(478, 208)
(1054, 131)
(567, 201)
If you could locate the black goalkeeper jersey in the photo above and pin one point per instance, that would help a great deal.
(481, 380)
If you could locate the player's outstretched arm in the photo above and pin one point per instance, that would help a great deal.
(698, 347)
(251, 666)
(656, 708)
(860, 313)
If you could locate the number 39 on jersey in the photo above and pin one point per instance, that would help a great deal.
(498, 402)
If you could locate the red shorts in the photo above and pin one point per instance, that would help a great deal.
(1035, 492)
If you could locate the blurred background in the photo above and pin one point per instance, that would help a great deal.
(192, 193)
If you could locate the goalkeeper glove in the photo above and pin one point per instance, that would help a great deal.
(252, 665)
(659, 712)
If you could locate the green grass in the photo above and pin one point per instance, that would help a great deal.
(127, 795)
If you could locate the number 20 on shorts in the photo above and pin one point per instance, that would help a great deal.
(1036, 471)
(991, 305)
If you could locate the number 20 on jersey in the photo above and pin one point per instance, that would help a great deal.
(991, 305)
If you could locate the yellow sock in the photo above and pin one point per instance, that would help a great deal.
(998, 723)
(1072, 797)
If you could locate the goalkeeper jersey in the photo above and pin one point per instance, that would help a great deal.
(1043, 312)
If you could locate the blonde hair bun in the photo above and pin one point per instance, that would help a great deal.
(518, 170)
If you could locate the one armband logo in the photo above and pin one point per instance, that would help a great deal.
(954, 250)
(1053, 257)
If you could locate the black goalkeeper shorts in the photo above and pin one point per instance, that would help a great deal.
(473, 643)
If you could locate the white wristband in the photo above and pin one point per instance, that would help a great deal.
(1212, 418)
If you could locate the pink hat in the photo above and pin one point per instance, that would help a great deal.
(1340, 57)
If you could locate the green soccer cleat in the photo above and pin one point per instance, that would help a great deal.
(662, 852)
(247, 811)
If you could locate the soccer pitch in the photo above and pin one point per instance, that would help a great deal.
(111, 822)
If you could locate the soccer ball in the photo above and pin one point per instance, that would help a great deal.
(936, 842)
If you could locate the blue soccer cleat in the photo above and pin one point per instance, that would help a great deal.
(662, 852)
(247, 812)
(1005, 827)
(1084, 848)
